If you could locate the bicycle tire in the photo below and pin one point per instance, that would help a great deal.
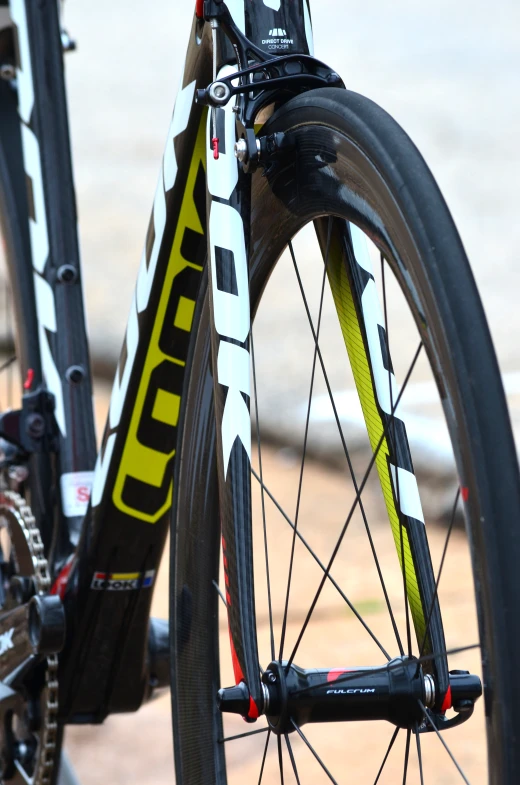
(377, 174)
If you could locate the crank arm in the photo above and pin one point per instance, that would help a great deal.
(29, 631)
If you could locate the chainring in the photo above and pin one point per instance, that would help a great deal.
(27, 554)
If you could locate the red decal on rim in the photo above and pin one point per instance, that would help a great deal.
(335, 673)
(237, 670)
(446, 704)
(253, 712)
(465, 493)
(199, 8)
(60, 584)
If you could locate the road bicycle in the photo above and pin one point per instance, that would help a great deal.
(265, 140)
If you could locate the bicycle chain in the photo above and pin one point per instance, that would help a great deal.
(49, 733)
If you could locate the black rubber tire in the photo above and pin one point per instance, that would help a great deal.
(378, 174)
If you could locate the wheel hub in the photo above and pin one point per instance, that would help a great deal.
(399, 692)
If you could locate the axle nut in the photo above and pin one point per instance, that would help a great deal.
(234, 700)
(219, 93)
(241, 150)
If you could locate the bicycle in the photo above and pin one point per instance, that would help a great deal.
(264, 140)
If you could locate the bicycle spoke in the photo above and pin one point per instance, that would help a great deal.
(220, 594)
(391, 666)
(406, 755)
(381, 580)
(298, 499)
(264, 757)
(353, 508)
(429, 720)
(398, 499)
(444, 550)
(280, 759)
(394, 737)
(243, 735)
(264, 521)
(320, 563)
(293, 762)
(8, 362)
(419, 753)
(349, 461)
(309, 745)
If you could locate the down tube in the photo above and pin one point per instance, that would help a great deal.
(229, 222)
(109, 592)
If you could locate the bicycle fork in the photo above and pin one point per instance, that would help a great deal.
(229, 228)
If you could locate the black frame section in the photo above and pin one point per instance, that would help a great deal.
(103, 667)
(68, 345)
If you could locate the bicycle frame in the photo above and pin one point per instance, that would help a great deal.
(107, 584)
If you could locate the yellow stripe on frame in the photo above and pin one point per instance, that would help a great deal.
(359, 361)
(139, 461)
(123, 576)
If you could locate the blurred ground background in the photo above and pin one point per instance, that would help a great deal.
(448, 72)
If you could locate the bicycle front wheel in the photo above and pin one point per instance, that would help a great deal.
(354, 574)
